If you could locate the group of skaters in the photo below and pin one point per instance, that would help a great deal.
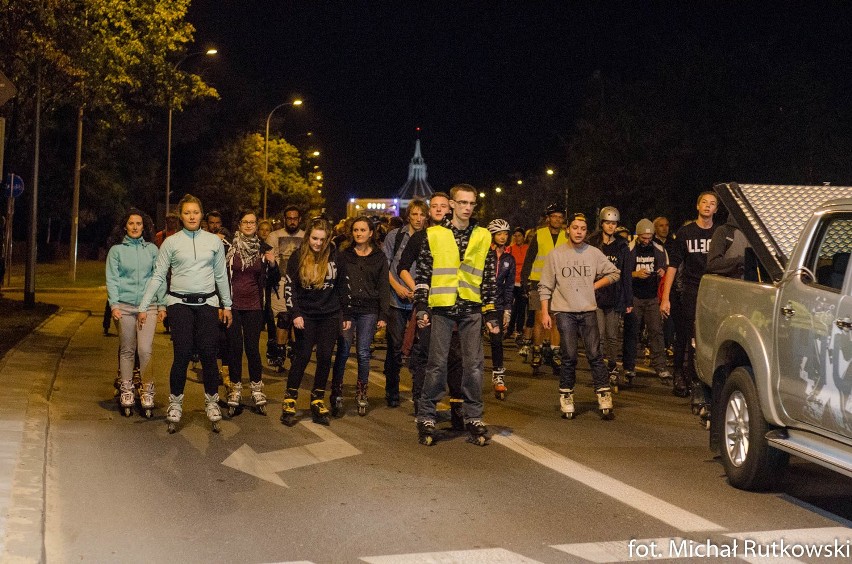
(439, 285)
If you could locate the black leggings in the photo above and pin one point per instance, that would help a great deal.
(199, 326)
(321, 333)
(245, 332)
(497, 342)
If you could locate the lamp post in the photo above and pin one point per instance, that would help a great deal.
(208, 52)
(266, 150)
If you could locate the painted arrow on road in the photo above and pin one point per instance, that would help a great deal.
(266, 465)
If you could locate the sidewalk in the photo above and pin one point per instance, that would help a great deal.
(27, 375)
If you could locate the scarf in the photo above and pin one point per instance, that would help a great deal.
(247, 247)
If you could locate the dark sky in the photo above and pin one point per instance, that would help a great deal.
(496, 86)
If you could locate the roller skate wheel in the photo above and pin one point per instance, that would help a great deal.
(232, 410)
(607, 414)
(362, 411)
(614, 388)
(148, 413)
(500, 395)
(479, 440)
(568, 415)
(261, 409)
(696, 409)
(172, 428)
(127, 411)
(216, 428)
(288, 420)
(427, 440)
(706, 424)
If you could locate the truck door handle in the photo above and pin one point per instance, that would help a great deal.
(845, 324)
(788, 311)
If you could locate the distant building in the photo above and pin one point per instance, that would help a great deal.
(415, 187)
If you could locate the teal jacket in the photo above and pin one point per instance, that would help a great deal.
(196, 260)
(129, 267)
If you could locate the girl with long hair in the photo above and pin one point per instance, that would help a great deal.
(366, 269)
(129, 267)
(317, 295)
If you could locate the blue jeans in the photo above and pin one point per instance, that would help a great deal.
(572, 327)
(397, 318)
(362, 330)
(435, 385)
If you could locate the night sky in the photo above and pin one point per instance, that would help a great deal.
(495, 86)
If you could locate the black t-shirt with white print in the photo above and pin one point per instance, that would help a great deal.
(690, 248)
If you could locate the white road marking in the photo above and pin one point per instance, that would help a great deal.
(266, 465)
(477, 556)
(664, 511)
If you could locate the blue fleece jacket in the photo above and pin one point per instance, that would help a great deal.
(129, 266)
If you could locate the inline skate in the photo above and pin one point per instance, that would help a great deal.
(499, 385)
(258, 397)
(288, 407)
(524, 349)
(319, 412)
(629, 375)
(235, 393)
(605, 403)
(127, 398)
(566, 402)
(535, 359)
(211, 408)
(271, 353)
(477, 432)
(146, 400)
(361, 397)
(426, 432)
(174, 411)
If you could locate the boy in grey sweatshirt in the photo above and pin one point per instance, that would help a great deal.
(569, 279)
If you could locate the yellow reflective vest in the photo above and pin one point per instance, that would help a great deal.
(545, 245)
(452, 277)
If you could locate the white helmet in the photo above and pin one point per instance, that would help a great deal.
(609, 213)
(498, 225)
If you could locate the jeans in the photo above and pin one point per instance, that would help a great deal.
(363, 330)
(244, 333)
(134, 340)
(194, 327)
(683, 312)
(397, 318)
(440, 345)
(608, 321)
(420, 358)
(572, 327)
(647, 311)
(321, 333)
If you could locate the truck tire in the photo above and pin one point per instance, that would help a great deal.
(750, 463)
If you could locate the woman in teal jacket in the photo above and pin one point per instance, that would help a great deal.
(129, 266)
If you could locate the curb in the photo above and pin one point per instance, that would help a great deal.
(27, 375)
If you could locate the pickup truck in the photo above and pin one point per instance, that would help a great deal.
(775, 348)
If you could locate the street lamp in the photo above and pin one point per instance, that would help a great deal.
(266, 150)
(208, 52)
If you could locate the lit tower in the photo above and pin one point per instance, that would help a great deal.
(416, 186)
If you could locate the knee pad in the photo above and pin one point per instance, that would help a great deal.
(283, 320)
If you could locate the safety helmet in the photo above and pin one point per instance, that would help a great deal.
(554, 208)
(609, 213)
(498, 225)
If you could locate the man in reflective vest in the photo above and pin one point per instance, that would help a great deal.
(456, 282)
(547, 238)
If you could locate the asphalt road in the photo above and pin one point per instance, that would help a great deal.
(546, 489)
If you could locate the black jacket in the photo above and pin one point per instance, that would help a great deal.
(369, 289)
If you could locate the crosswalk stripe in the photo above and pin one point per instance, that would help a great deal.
(477, 556)
(664, 511)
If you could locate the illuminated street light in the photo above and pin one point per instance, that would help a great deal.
(520, 182)
(550, 172)
(208, 52)
(482, 194)
(266, 150)
(498, 189)
(315, 153)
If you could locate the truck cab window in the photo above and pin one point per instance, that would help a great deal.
(829, 256)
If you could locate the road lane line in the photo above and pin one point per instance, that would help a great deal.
(664, 511)
(477, 556)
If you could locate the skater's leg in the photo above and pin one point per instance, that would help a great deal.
(497, 344)
(587, 327)
(327, 331)
(631, 338)
(127, 341)
(435, 382)
(252, 322)
(417, 364)
(182, 331)
(341, 355)
(365, 329)
(207, 341)
(568, 335)
(394, 335)
(470, 339)
(145, 339)
(235, 346)
(303, 347)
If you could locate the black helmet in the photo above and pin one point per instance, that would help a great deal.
(554, 208)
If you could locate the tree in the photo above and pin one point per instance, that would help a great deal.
(236, 177)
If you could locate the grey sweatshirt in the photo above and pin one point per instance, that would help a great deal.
(569, 274)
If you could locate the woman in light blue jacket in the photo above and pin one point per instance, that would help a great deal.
(129, 266)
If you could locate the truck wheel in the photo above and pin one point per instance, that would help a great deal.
(750, 463)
